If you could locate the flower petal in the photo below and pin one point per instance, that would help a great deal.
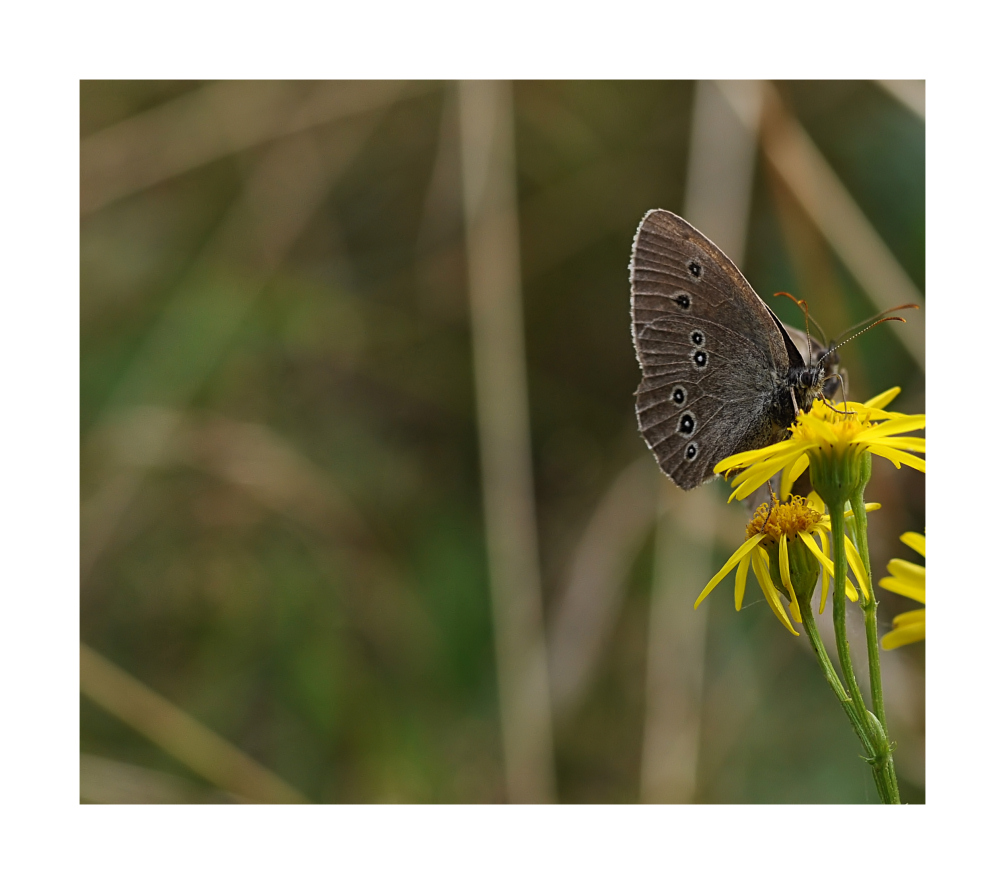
(908, 571)
(794, 610)
(741, 581)
(743, 457)
(857, 568)
(896, 426)
(824, 576)
(758, 560)
(745, 547)
(792, 472)
(783, 565)
(914, 540)
(898, 457)
(883, 399)
(757, 474)
(909, 617)
(829, 568)
(903, 635)
(811, 424)
(905, 582)
(906, 443)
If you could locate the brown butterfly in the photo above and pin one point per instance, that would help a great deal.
(720, 372)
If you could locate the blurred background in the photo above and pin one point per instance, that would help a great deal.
(366, 516)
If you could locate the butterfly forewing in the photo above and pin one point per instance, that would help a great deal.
(710, 352)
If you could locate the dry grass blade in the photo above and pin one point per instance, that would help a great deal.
(675, 660)
(106, 781)
(910, 93)
(805, 171)
(592, 597)
(211, 122)
(180, 735)
(489, 187)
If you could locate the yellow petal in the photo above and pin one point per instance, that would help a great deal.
(892, 584)
(794, 611)
(908, 423)
(883, 399)
(741, 581)
(744, 457)
(759, 561)
(824, 577)
(909, 617)
(829, 568)
(820, 428)
(745, 547)
(850, 515)
(857, 568)
(752, 479)
(792, 472)
(915, 632)
(756, 475)
(783, 565)
(912, 589)
(786, 573)
(914, 540)
(908, 571)
(897, 457)
(906, 443)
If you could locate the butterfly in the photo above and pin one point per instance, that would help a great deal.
(720, 372)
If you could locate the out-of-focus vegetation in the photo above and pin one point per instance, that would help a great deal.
(282, 519)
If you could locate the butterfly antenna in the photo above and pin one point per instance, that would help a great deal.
(864, 330)
(872, 319)
(801, 304)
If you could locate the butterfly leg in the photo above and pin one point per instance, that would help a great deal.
(844, 397)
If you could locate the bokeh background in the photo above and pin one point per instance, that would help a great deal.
(365, 513)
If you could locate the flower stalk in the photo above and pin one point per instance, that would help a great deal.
(840, 478)
(860, 726)
(836, 446)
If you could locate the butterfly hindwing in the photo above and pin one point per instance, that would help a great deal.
(711, 353)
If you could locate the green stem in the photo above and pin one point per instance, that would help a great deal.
(838, 603)
(878, 745)
(809, 623)
(869, 605)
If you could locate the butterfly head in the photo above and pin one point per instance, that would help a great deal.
(806, 382)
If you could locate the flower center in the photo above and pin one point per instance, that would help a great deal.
(845, 428)
(789, 519)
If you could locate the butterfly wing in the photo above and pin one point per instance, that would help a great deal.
(712, 354)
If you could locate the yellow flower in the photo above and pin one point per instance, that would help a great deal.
(777, 535)
(833, 432)
(907, 579)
